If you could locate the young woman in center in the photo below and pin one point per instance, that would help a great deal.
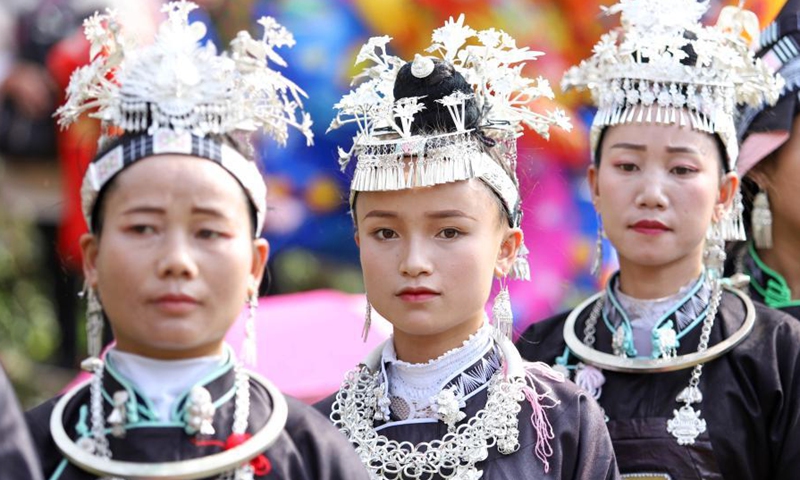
(435, 202)
(695, 380)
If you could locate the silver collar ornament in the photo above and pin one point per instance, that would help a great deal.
(456, 454)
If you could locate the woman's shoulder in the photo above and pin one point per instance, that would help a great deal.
(543, 341)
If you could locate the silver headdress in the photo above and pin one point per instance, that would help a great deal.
(176, 95)
(642, 72)
(390, 157)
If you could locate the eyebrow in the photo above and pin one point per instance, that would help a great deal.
(380, 214)
(438, 214)
(643, 148)
(448, 214)
(149, 209)
(630, 146)
(144, 209)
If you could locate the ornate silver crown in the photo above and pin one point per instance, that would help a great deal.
(639, 73)
(176, 93)
(390, 157)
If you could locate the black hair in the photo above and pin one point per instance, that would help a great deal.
(443, 81)
(98, 211)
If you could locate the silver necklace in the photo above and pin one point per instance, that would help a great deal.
(93, 454)
(686, 424)
(454, 455)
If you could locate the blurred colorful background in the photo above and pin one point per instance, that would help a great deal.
(308, 226)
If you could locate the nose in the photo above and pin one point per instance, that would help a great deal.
(416, 259)
(176, 259)
(651, 193)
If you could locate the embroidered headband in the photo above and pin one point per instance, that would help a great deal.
(177, 96)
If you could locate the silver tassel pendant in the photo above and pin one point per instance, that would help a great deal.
(502, 314)
(761, 221)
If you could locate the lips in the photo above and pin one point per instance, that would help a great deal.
(176, 303)
(417, 294)
(650, 227)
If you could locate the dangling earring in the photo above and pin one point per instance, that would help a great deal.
(502, 314)
(367, 320)
(598, 248)
(249, 342)
(94, 323)
(761, 221)
(714, 253)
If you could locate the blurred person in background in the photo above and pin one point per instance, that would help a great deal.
(18, 458)
(770, 164)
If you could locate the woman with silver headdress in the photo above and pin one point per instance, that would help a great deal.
(175, 208)
(435, 202)
(768, 162)
(695, 379)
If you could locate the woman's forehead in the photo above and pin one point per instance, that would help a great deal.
(470, 196)
(177, 179)
(652, 136)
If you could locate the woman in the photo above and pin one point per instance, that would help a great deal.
(696, 381)
(175, 210)
(17, 454)
(769, 164)
(436, 207)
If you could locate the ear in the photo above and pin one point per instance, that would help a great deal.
(356, 238)
(90, 245)
(512, 239)
(591, 178)
(727, 190)
(260, 256)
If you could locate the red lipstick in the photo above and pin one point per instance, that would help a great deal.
(417, 294)
(176, 303)
(650, 227)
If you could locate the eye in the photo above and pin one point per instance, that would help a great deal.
(683, 170)
(449, 233)
(142, 229)
(385, 234)
(627, 167)
(208, 234)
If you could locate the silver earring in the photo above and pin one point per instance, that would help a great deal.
(367, 320)
(597, 264)
(502, 313)
(761, 221)
(249, 342)
(94, 323)
(714, 253)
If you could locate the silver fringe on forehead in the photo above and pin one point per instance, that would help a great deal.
(417, 162)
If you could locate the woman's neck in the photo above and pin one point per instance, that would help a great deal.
(784, 256)
(414, 348)
(651, 282)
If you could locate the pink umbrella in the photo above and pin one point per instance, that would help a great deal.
(307, 341)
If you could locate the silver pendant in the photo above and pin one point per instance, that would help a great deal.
(686, 425)
(618, 342)
(690, 395)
